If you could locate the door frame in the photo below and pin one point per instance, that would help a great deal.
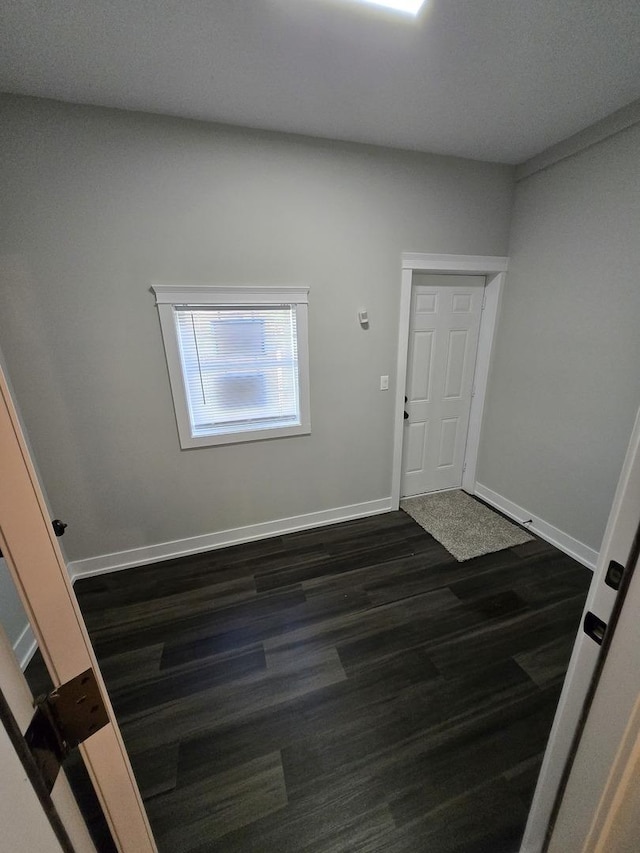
(53, 817)
(39, 571)
(494, 268)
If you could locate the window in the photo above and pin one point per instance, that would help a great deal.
(238, 361)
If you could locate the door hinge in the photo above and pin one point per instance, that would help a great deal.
(464, 467)
(63, 719)
(484, 301)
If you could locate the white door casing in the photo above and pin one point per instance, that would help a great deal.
(494, 269)
(443, 342)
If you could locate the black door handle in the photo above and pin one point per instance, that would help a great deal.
(58, 527)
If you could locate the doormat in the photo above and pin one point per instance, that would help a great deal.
(463, 525)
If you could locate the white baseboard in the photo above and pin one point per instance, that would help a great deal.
(578, 550)
(25, 647)
(209, 541)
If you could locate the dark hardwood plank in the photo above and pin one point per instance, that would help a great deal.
(404, 547)
(398, 734)
(548, 662)
(217, 705)
(485, 819)
(523, 777)
(349, 688)
(517, 634)
(336, 631)
(483, 748)
(246, 628)
(156, 770)
(171, 686)
(219, 804)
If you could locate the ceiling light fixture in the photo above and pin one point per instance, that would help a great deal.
(410, 7)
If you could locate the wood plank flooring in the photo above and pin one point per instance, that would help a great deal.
(350, 688)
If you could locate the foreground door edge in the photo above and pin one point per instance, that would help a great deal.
(598, 812)
(616, 545)
(35, 561)
(31, 818)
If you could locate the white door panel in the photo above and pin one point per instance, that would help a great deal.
(457, 350)
(448, 442)
(421, 376)
(443, 342)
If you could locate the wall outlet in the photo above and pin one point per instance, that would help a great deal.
(384, 383)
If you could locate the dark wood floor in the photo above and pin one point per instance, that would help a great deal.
(351, 688)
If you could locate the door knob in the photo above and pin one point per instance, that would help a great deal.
(58, 527)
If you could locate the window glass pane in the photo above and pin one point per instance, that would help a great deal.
(240, 367)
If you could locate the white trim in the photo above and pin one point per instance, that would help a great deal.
(240, 294)
(25, 646)
(493, 298)
(494, 269)
(168, 296)
(456, 264)
(573, 547)
(401, 384)
(222, 539)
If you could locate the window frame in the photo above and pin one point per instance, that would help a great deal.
(170, 295)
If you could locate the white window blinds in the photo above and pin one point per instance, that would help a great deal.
(238, 361)
(240, 367)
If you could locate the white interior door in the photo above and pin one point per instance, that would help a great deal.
(443, 343)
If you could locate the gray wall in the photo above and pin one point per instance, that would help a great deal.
(565, 384)
(12, 616)
(97, 204)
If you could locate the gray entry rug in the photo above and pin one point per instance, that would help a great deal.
(464, 526)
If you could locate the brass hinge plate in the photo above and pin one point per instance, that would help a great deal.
(65, 718)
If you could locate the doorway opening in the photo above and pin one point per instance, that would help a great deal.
(446, 311)
(454, 445)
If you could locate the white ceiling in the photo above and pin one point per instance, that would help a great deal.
(489, 79)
